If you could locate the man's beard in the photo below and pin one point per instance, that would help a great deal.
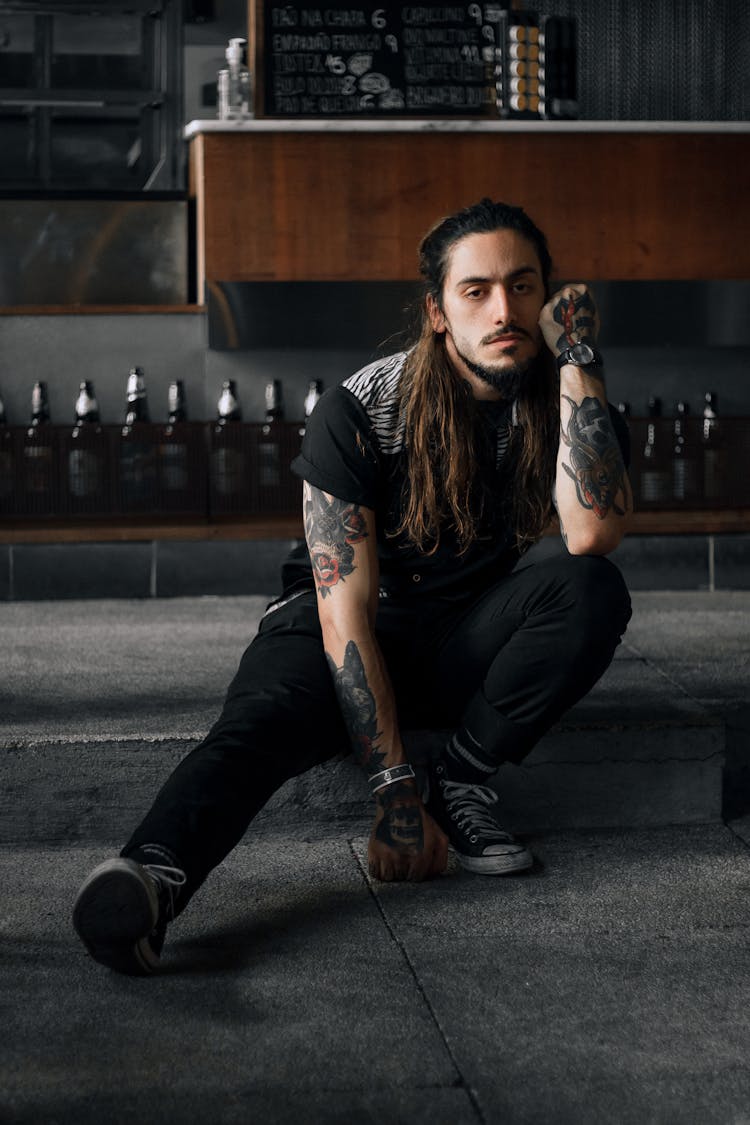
(506, 382)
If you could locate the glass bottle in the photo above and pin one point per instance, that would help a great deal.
(137, 398)
(269, 445)
(6, 457)
(684, 463)
(654, 474)
(229, 478)
(714, 453)
(38, 450)
(234, 85)
(314, 391)
(86, 457)
(173, 449)
(137, 460)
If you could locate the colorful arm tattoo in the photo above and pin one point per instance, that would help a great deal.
(596, 465)
(332, 528)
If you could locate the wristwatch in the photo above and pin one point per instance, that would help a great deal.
(581, 355)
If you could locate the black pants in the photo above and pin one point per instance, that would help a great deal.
(505, 666)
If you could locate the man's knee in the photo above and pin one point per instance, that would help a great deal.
(602, 601)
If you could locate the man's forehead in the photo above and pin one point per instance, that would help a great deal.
(498, 253)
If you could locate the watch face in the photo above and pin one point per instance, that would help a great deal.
(581, 354)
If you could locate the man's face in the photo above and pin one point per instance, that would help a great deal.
(492, 297)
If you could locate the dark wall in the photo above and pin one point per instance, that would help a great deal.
(659, 60)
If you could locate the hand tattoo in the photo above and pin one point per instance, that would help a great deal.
(597, 468)
(401, 826)
(577, 317)
(358, 707)
(332, 527)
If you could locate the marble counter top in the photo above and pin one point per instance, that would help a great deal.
(454, 125)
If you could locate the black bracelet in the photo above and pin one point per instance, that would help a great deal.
(390, 777)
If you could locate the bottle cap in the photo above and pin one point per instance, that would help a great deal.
(135, 382)
(228, 405)
(39, 403)
(234, 51)
(87, 408)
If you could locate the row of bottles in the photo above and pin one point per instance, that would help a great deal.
(141, 467)
(681, 462)
(137, 409)
(230, 472)
(233, 467)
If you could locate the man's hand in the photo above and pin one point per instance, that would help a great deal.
(568, 318)
(405, 842)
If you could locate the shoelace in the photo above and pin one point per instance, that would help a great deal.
(168, 880)
(470, 804)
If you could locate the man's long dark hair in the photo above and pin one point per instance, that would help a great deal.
(440, 413)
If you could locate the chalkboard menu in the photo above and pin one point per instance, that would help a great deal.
(370, 59)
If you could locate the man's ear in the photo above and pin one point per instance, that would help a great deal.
(437, 319)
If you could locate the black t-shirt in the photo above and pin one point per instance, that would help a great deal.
(354, 449)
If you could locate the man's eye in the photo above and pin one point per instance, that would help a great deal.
(473, 293)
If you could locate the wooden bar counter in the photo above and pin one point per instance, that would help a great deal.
(349, 201)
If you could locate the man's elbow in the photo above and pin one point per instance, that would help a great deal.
(339, 622)
(599, 540)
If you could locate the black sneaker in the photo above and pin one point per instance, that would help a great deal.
(122, 911)
(466, 814)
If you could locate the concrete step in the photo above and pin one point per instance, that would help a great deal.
(105, 703)
(579, 776)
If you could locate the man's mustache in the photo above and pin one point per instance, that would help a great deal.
(510, 328)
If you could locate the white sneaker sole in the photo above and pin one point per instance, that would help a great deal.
(506, 864)
(115, 911)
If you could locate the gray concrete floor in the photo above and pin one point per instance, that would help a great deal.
(609, 985)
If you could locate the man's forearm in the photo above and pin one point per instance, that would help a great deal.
(368, 708)
(592, 487)
(365, 696)
(593, 493)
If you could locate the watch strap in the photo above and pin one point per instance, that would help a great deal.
(568, 356)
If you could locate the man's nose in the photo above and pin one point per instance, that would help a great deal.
(501, 305)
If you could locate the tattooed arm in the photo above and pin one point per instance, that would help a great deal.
(405, 843)
(593, 494)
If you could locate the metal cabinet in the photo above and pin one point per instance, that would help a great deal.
(90, 95)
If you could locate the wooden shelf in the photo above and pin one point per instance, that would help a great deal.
(251, 527)
(720, 521)
(99, 310)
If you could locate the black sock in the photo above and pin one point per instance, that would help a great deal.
(177, 897)
(465, 760)
(153, 853)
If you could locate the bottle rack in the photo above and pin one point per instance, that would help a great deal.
(206, 471)
(249, 469)
(705, 477)
(190, 469)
